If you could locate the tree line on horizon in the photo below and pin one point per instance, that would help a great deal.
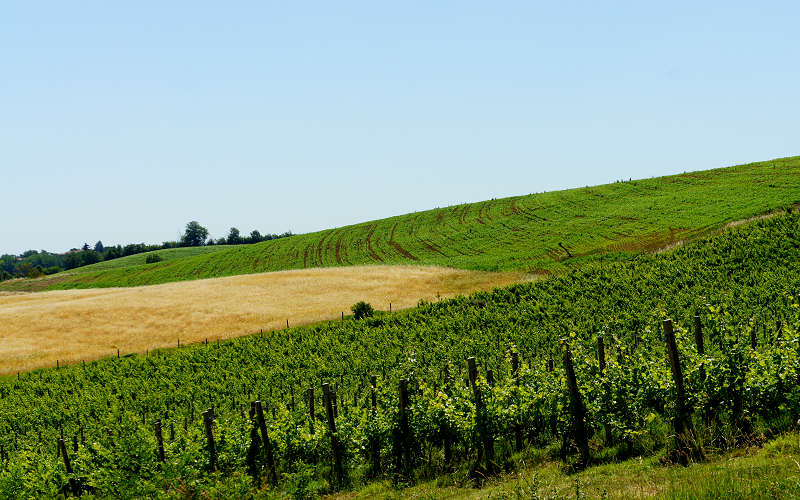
(34, 264)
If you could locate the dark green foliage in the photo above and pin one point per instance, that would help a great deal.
(747, 277)
(362, 310)
(152, 258)
(233, 237)
(50, 263)
(195, 234)
(28, 270)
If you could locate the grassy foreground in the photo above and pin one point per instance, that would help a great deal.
(768, 472)
(523, 233)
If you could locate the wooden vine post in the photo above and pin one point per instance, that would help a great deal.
(328, 396)
(208, 422)
(487, 440)
(601, 361)
(515, 376)
(682, 422)
(73, 485)
(601, 353)
(159, 440)
(448, 442)
(310, 397)
(402, 448)
(374, 443)
(255, 444)
(262, 426)
(698, 340)
(577, 410)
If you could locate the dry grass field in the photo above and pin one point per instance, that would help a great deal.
(36, 329)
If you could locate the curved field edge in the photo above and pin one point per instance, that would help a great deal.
(166, 254)
(39, 329)
(530, 233)
(743, 274)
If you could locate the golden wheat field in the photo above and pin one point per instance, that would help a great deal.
(36, 329)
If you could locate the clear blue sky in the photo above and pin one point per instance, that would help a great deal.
(124, 122)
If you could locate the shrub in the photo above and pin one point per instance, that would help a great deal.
(362, 310)
(28, 270)
(153, 258)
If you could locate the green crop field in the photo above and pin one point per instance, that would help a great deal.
(184, 422)
(167, 255)
(523, 233)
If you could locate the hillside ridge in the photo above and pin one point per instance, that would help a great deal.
(536, 233)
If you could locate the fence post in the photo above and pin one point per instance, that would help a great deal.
(577, 409)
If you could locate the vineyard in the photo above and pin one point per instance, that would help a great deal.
(537, 233)
(675, 354)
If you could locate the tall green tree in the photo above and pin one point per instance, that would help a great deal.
(234, 238)
(195, 235)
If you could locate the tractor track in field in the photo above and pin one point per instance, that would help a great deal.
(372, 252)
(529, 214)
(462, 216)
(339, 259)
(430, 246)
(321, 247)
(402, 251)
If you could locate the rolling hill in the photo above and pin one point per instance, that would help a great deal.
(536, 233)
